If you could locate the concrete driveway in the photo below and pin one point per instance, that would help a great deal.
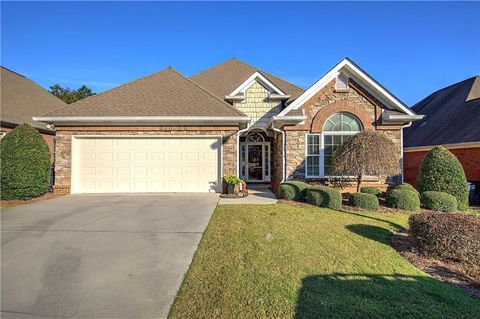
(99, 256)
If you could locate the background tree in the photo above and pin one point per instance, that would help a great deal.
(366, 153)
(442, 172)
(70, 96)
(25, 163)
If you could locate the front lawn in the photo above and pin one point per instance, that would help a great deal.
(284, 261)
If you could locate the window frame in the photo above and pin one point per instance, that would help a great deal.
(321, 154)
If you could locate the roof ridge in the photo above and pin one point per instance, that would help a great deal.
(109, 90)
(208, 92)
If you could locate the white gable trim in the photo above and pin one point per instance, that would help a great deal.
(254, 78)
(348, 67)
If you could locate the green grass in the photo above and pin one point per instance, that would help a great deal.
(284, 261)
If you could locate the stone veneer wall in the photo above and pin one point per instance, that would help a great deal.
(321, 106)
(64, 145)
(257, 105)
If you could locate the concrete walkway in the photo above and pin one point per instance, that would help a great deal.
(259, 194)
(99, 256)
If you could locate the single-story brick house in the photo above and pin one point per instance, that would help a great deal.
(20, 99)
(452, 119)
(169, 133)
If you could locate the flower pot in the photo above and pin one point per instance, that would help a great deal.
(231, 189)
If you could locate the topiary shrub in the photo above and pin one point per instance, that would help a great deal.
(448, 236)
(364, 200)
(403, 199)
(293, 190)
(442, 172)
(370, 190)
(324, 196)
(25, 164)
(439, 201)
(408, 187)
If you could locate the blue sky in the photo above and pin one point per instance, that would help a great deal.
(411, 48)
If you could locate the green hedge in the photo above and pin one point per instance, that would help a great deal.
(403, 199)
(408, 187)
(25, 164)
(324, 196)
(439, 201)
(371, 190)
(293, 190)
(442, 172)
(364, 200)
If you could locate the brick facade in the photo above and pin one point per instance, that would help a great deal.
(322, 105)
(64, 144)
(468, 157)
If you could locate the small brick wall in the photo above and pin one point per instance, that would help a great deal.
(468, 157)
(64, 145)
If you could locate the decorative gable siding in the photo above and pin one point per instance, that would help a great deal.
(257, 105)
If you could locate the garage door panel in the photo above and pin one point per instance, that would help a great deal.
(141, 164)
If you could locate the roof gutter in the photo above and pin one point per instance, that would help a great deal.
(401, 118)
(148, 119)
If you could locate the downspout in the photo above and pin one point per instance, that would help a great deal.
(401, 146)
(284, 163)
(238, 147)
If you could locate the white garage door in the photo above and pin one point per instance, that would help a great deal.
(153, 164)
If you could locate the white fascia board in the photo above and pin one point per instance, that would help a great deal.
(147, 119)
(353, 71)
(448, 146)
(396, 118)
(251, 80)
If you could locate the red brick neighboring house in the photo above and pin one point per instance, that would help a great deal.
(21, 98)
(169, 133)
(452, 119)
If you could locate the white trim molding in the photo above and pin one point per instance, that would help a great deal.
(351, 70)
(448, 146)
(142, 119)
(239, 93)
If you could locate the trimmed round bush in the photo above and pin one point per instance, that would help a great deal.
(403, 199)
(25, 164)
(408, 187)
(442, 172)
(448, 236)
(439, 201)
(370, 190)
(364, 200)
(293, 190)
(324, 196)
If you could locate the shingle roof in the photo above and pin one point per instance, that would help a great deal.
(165, 93)
(222, 79)
(452, 115)
(21, 98)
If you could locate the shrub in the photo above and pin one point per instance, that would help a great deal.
(448, 236)
(293, 190)
(408, 187)
(442, 172)
(364, 200)
(403, 199)
(370, 190)
(324, 196)
(232, 180)
(439, 201)
(25, 164)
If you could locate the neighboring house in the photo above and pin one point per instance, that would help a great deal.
(452, 119)
(20, 99)
(169, 133)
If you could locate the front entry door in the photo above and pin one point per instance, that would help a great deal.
(255, 162)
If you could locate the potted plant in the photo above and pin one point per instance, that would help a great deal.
(232, 182)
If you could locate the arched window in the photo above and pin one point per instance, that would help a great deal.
(338, 128)
(255, 138)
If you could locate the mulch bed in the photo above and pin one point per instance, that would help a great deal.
(452, 273)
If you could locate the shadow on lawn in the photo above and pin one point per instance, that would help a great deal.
(379, 234)
(396, 226)
(341, 295)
